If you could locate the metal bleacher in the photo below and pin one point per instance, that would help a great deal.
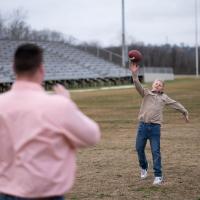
(63, 62)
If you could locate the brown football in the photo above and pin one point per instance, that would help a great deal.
(135, 55)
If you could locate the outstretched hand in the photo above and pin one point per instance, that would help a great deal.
(186, 117)
(133, 67)
(61, 90)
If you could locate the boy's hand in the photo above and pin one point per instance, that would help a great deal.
(60, 90)
(186, 118)
(133, 67)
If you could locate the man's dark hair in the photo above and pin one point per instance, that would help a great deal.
(27, 59)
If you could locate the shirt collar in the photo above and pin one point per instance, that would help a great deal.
(26, 85)
(156, 92)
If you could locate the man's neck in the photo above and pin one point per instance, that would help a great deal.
(28, 79)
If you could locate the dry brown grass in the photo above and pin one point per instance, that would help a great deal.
(110, 170)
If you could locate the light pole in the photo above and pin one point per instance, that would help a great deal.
(123, 37)
(196, 39)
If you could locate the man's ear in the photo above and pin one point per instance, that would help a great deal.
(41, 69)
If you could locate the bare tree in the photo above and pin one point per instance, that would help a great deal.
(2, 27)
(17, 26)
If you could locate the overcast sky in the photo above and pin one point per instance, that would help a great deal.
(148, 21)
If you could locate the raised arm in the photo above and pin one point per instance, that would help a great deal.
(177, 106)
(83, 130)
(134, 69)
(80, 130)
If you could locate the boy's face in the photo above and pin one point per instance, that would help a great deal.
(158, 86)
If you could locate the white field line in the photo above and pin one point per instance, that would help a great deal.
(103, 88)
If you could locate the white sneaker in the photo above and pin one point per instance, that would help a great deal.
(158, 180)
(143, 173)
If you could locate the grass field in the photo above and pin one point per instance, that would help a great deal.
(110, 169)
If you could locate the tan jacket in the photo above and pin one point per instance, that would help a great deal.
(151, 110)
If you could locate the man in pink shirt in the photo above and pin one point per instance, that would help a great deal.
(39, 133)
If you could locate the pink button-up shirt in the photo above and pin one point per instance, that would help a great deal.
(39, 134)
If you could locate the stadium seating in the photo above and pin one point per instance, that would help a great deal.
(65, 63)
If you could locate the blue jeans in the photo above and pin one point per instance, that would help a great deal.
(10, 197)
(151, 132)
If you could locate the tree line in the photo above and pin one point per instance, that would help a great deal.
(181, 58)
(13, 26)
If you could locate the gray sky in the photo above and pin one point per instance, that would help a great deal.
(148, 21)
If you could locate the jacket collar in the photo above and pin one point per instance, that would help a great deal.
(156, 92)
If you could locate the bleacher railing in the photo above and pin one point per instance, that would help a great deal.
(165, 70)
(102, 53)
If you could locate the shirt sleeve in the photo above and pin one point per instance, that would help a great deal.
(79, 129)
(142, 91)
(175, 105)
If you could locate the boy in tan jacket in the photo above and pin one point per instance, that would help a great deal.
(150, 120)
